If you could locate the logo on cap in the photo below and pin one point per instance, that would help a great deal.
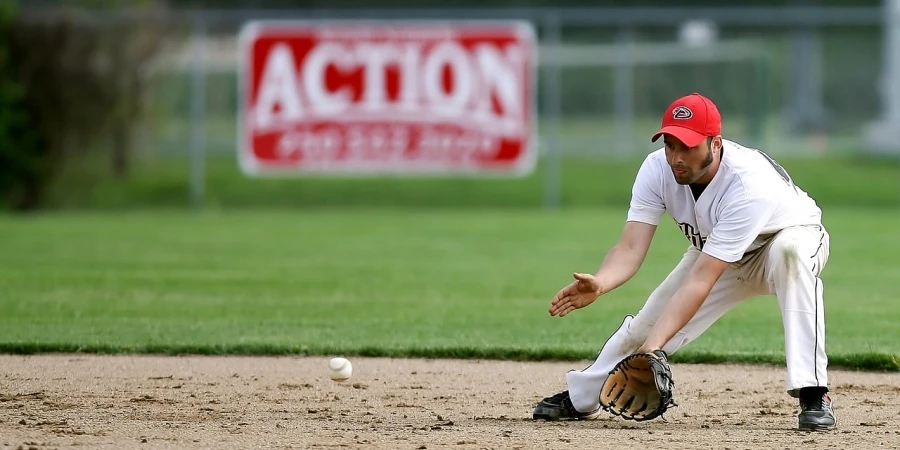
(682, 113)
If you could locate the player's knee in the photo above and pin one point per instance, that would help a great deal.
(632, 333)
(639, 327)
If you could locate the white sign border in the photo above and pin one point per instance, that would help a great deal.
(250, 167)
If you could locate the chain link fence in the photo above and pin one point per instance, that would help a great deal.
(794, 80)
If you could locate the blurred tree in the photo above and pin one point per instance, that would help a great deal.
(66, 84)
(339, 4)
(20, 142)
(336, 4)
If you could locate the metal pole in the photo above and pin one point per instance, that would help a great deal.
(883, 136)
(892, 67)
(758, 103)
(198, 114)
(892, 62)
(806, 86)
(553, 101)
(623, 93)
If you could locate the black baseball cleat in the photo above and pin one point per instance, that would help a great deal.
(559, 407)
(816, 413)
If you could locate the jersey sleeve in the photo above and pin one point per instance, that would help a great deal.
(739, 224)
(646, 197)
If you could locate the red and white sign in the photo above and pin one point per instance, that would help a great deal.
(387, 97)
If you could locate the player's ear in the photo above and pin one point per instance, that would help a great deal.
(716, 143)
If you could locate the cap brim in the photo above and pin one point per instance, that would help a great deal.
(687, 136)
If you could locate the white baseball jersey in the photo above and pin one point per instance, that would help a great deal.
(750, 198)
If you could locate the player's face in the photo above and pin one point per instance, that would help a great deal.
(689, 164)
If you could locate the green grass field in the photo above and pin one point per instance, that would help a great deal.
(401, 282)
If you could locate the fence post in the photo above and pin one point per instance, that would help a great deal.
(553, 111)
(883, 135)
(892, 61)
(623, 93)
(757, 101)
(198, 113)
(805, 89)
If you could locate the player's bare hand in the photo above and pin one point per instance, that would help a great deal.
(580, 293)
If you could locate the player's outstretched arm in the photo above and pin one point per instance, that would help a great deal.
(686, 301)
(620, 264)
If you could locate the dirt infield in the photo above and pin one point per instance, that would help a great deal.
(86, 401)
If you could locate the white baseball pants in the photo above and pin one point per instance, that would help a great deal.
(788, 266)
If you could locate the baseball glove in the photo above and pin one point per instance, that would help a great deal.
(639, 387)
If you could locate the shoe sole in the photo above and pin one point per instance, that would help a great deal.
(816, 427)
(552, 417)
(547, 417)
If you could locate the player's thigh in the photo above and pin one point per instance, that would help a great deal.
(794, 251)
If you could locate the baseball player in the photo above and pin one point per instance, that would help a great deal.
(752, 231)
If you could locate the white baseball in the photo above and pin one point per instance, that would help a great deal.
(339, 369)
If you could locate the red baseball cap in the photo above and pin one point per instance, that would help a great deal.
(691, 119)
